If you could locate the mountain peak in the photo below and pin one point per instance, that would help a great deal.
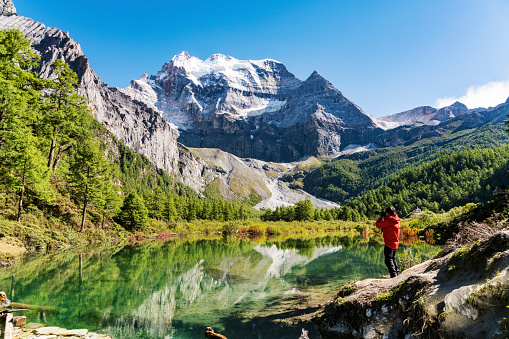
(182, 58)
(460, 105)
(7, 8)
(219, 57)
(316, 77)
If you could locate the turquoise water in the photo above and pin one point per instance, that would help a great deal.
(174, 289)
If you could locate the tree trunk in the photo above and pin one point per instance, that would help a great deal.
(83, 215)
(52, 148)
(23, 183)
(2, 118)
(84, 209)
(61, 151)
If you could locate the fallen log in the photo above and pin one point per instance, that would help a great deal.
(47, 309)
(14, 310)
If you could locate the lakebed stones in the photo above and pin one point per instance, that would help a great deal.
(40, 331)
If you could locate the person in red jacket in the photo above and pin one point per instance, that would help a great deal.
(390, 224)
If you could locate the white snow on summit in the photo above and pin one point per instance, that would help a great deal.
(235, 70)
(351, 149)
(141, 90)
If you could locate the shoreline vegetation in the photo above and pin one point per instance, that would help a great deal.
(20, 238)
(455, 230)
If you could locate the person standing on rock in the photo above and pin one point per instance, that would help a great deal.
(390, 225)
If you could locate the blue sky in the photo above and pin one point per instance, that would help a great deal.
(385, 56)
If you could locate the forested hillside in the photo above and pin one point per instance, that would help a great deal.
(439, 185)
(352, 175)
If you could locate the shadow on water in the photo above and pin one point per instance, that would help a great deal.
(174, 289)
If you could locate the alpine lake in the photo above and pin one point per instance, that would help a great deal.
(244, 288)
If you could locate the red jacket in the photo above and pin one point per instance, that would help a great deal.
(390, 227)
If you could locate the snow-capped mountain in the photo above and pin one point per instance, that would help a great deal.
(188, 89)
(252, 108)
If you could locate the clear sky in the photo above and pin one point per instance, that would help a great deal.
(385, 56)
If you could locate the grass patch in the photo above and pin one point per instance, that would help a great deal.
(409, 258)
(458, 258)
(493, 294)
(347, 289)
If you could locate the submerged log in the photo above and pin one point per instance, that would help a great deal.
(48, 309)
(14, 310)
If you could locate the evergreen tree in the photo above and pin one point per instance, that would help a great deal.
(304, 210)
(88, 176)
(112, 197)
(25, 166)
(170, 212)
(66, 114)
(20, 159)
(133, 214)
(19, 95)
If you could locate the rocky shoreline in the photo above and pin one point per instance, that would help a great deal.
(458, 294)
(40, 331)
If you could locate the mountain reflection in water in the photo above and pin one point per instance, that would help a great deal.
(177, 288)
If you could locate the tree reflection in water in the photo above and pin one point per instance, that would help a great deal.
(177, 288)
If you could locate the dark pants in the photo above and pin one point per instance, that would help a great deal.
(390, 261)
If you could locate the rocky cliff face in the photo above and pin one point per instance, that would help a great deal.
(7, 8)
(252, 108)
(138, 125)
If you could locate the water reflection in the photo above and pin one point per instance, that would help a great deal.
(283, 260)
(177, 288)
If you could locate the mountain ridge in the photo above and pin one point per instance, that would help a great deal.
(290, 118)
(257, 107)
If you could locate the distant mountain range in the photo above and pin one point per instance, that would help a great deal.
(258, 109)
(252, 109)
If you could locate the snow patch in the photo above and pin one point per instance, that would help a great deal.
(141, 90)
(350, 149)
(267, 106)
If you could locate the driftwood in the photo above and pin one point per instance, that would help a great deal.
(8, 328)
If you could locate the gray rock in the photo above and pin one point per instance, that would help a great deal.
(136, 124)
(7, 8)
(252, 108)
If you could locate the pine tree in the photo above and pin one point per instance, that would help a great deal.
(20, 160)
(134, 214)
(170, 212)
(112, 198)
(66, 114)
(304, 210)
(88, 176)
